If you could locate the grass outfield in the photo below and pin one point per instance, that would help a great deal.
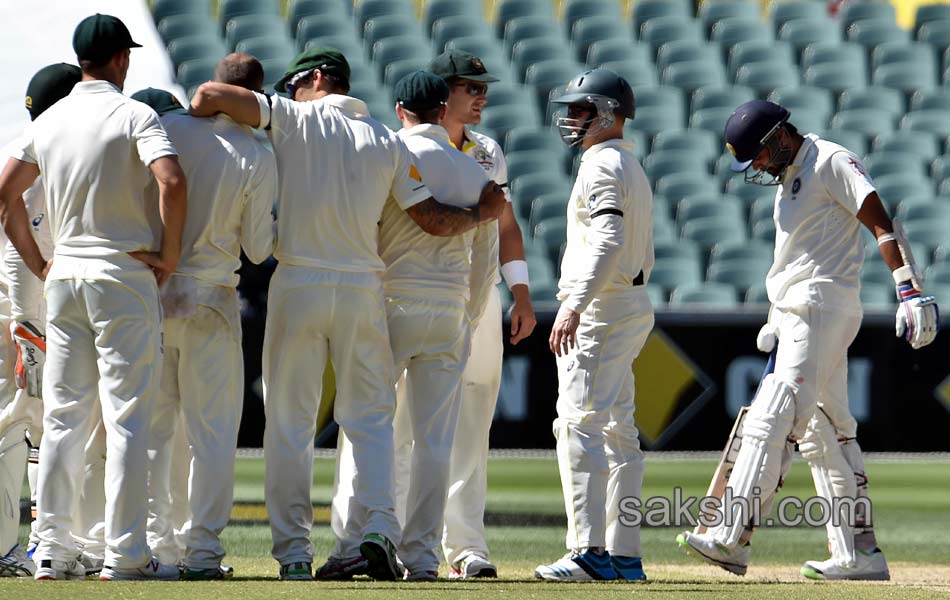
(911, 512)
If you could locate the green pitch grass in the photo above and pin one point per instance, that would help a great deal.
(525, 512)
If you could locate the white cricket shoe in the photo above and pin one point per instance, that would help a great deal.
(578, 566)
(473, 565)
(735, 560)
(92, 564)
(16, 564)
(869, 566)
(59, 569)
(152, 571)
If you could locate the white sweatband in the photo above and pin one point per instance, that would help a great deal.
(886, 237)
(902, 274)
(515, 273)
(263, 103)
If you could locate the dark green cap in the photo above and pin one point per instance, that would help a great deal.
(160, 100)
(458, 63)
(100, 36)
(329, 60)
(49, 85)
(421, 90)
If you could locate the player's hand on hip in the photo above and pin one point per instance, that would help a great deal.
(918, 318)
(564, 332)
(30, 342)
(161, 266)
(491, 202)
(522, 314)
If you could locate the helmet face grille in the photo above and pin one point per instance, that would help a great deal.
(573, 131)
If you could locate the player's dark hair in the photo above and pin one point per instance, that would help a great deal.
(337, 85)
(242, 70)
(429, 116)
(93, 66)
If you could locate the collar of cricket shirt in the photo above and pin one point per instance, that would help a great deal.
(612, 143)
(807, 144)
(429, 130)
(95, 86)
(348, 104)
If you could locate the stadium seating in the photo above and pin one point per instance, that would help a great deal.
(856, 78)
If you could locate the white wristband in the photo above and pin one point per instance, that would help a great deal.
(515, 273)
(886, 237)
(902, 274)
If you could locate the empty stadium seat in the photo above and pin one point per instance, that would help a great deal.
(904, 77)
(689, 76)
(709, 205)
(812, 99)
(871, 32)
(388, 26)
(162, 9)
(739, 274)
(877, 97)
(936, 33)
(230, 9)
(268, 48)
(854, 12)
(389, 50)
(677, 186)
(712, 13)
(301, 9)
(922, 143)
(835, 77)
(575, 10)
(894, 187)
(637, 73)
(705, 143)
(196, 71)
(186, 25)
(613, 49)
(528, 187)
(660, 30)
(927, 13)
(660, 163)
(843, 53)
(668, 273)
(933, 120)
(869, 121)
(719, 295)
(524, 28)
(530, 51)
(646, 10)
(787, 10)
(757, 51)
(799, 33)
(854, 141)
(451, 27)
(763, 77)
(711, 119)
(654, 119)
(433, 10)
(196, 47)
(735, 30)
(367, 9)
(883, 163)
(546, 207)
(678, 51)
(709, 231)
(590, 30)
(250, 26)
(313, 27)
(937, 98)
(506, 10)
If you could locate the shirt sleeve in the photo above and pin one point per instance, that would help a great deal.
(407, 187)
(281, 117)
(150, 137)
(847, 181)
(257, 231)
(22, 147)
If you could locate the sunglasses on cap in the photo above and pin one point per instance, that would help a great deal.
(474, 88)
(301, 78)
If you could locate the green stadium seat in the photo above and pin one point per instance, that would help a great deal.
(904, 77)
(937, 98)
(762, 208)
(657, 295)
(669, 273)
(660, 163)
(804, 99)
(186, 25)
(758, 294)
(711, 119)
(449, 28)
(719, 295)
(501, 119)
(533, 50)
(661, 209)
(878, 296)
(799, 33)
(529, 138)
(661, 96)
(302, 9)
(938, 274)
(869, 121)
(875, 273)
(664, 230)
(879, 97)
(677, 186)
(162, 9)
(661, 30)
(268, 48)
(524, 28)
(922, 143)
(638, 74)
(835, 77)
(854, 12)
(251, 26)
(787, 10)
(842, 53)
(526, 188)
(763, 77)
(274, 69)
(709, 231)
(651, 120)
(573, 11)
(502, 93)
(756, 51)
(397, 69)
(506, 10)
(551, 233)
(367, 9)
(690, 76)
(933, 120)
(927, 13)
(921, 211)
(740, 275)
(347, 44)
(590, 30)
(548, 75)
(918, 53)
(614, 49)
(646, 10)
(854, 141)
(678, 51)
(230, 9)
(196, 71)
(935, 33)
(764, 230)
(749, 193)
(940, 169)
(677, 249)
(871, 32)
(720, 96)
(708, 205)
(390, 26)
(735, 30)
(407, 47)
(196, 47)
(895, 187)
(883, 163)
(433, 10)
(546, 207)
(313, 27)
(704, 143)
(712, 13)
(755, 252)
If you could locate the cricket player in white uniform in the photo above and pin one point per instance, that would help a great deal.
(824, 196)
(94, 150)
(27, 313)
(463, 541)
(232, 181)
(604, 320)
(337, 167)
(427, 287)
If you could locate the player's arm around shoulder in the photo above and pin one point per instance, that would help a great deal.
(241, 104)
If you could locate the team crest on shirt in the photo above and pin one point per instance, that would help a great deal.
(592, 201)
(37, 220)
(796, 185)
(483, 158)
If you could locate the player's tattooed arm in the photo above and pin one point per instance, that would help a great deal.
(440, 219)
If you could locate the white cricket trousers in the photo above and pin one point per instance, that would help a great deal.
(203, 378)
(103, 333)
(598, 446)
(464, 531)
(314, 315)
(15, 419)
(430, 342)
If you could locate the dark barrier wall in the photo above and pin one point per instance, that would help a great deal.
(694, 373)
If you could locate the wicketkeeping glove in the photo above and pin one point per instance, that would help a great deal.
(30, 356)
(918, 318)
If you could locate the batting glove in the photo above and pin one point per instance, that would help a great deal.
(918, 318)
(30, 356)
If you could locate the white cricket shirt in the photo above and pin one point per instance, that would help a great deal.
(25, 288)
(818, 247)
(232, 185)
(417, 262)
(611, 208)
(336, 166)
(93, 149)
